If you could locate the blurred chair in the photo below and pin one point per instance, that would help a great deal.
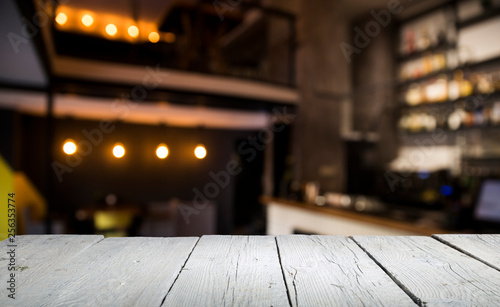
(159, 219)
(31, 206)
(164, 219)
(119, 221)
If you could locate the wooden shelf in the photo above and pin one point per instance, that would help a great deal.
(485, 63)
(466, 66)
(483, 97)
(444, 46)
(491, 13)
(425, 77)
(461, 129)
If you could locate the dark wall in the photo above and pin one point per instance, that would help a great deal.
(7, 136)
(139, 177)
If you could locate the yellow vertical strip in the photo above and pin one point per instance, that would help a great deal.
(6, 187)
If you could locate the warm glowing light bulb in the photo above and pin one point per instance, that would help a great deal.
(200, 152)
(133, 31)
(111, 29)
(118, 150)
(61, 18)
(154, 37)
(87, 20)
(169, 37)
(69, 147)
(162, 151)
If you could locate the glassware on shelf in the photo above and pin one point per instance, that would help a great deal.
(418, 121)
(424, 41)
(437, 89)
(483, 83)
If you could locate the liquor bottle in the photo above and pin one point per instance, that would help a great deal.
(413, 96)
(468, 121)
(437, 90)
(465, 87)
(454, 86)
(484, 84)
(479, 117)
(414, 123)
(404, 122)
(429, 122)
(456, 118)
(427, 65)
(495, 114)
(409, 42)
(424, 42)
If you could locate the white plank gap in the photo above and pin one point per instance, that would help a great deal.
(485, 248)
(434, 273)
(231, 271)
(36, 255)
(334, 271)
(114, 272)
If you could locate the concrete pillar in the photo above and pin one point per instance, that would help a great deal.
(323, 78)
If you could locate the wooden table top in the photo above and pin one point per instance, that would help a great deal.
(294, 270)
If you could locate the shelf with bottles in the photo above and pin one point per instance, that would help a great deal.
(435, 65)
(451, 87)
(442, 47)
(433, 33)
(458, 116)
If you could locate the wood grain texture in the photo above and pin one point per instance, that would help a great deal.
(433, 273)
(485, 248)
(334, 271)
(38, 254)
(231, 271)
(113, 272)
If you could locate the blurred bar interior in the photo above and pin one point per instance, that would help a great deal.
(193, 117)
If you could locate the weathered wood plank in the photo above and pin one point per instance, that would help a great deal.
(231, 270)
(485, 248)
(433, 273)
(35, 255)
(334, 271)
(113, 272)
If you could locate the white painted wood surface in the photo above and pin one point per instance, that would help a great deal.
(284, 220)
(433, 273)
(231, 271)
(334, 271)
(36, 255)
(292, 270)
(485, 248)
(113, 272)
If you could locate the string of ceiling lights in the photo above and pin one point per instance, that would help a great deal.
(109, 26)
(69, 147)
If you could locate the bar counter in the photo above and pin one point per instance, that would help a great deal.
(288, 217)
